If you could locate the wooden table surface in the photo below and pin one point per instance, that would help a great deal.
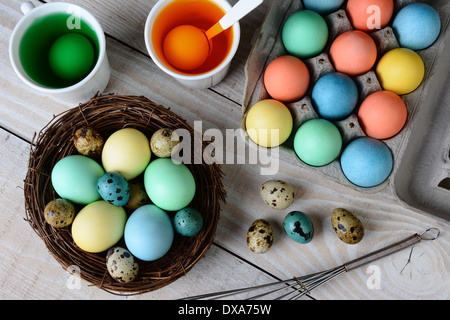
(28, 271)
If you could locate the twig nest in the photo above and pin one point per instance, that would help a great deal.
(347, 226)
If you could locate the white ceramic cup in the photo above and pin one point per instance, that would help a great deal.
(202, 81)
(98, 78)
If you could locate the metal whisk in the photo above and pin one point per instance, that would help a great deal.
(299, 286)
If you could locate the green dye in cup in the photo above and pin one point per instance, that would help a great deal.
(38, 39)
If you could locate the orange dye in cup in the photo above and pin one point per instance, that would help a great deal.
(202, 14)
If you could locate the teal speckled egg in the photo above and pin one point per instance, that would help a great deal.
(188, 222)
(114, 188)
(299, 227)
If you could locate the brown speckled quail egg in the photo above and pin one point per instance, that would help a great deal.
(138, 195)
(121, 264)
(277, 194)
(260, 236)
(88, 142)
(347, 226)
(162, 143)
(59, 213)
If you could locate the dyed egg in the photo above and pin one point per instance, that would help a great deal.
(71, 56)
(88, 142)
(164, 142)
(305, 34)
(98, 226)
(138, 195)
(318, 142)
(186, 47)
(149, 233)
(335, 96)
(353, 53)
(121, 265)
(170, 186)
(370, 15)
(299, 227)
(126, 151)
(286, 79)
(323, 6)
(401, 71)
(366, 162)
(75, 178)
(277, 194)
(269, 123)
(188, 222)
(347, 226)
(114, 188)
(260, 236)
(417, 26)
(382, 115)
(59, 213)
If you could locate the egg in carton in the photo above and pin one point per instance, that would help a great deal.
(268, 46)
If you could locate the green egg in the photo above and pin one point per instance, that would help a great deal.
(71, 56)
(318, 142)
(305, 34)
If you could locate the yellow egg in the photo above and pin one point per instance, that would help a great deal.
(127, 151)
(269, 123)
(98, 226)
(401, 71)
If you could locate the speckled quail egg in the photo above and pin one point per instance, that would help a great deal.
(138, 195)
(121, 264)
(277, 194)
(347, 226)
(114, 188)
(88, 142)
(164, 142)
(59, 213)
(260, 236)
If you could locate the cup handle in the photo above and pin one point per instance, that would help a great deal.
(27, 7)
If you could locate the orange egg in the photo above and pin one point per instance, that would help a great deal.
(382, 115)
(353, 53)
(370, 15)
(186, 47)
(287, 79)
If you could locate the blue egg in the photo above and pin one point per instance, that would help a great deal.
(188, 222)
(367, 162)
(299, 227)
(335, 96)
(149, 233)
(323, 6)
(114, 188)
(417, 26)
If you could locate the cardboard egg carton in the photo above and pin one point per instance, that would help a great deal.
(268, 45)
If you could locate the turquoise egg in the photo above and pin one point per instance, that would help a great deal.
(188, 222)
(299, 227)
(149, 233)
(75, 178)
(305, 34)
(114, 188)
(170, 186)
(318, 142)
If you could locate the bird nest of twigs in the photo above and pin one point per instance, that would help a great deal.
(108, 114)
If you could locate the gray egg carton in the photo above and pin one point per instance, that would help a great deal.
(421, 174)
